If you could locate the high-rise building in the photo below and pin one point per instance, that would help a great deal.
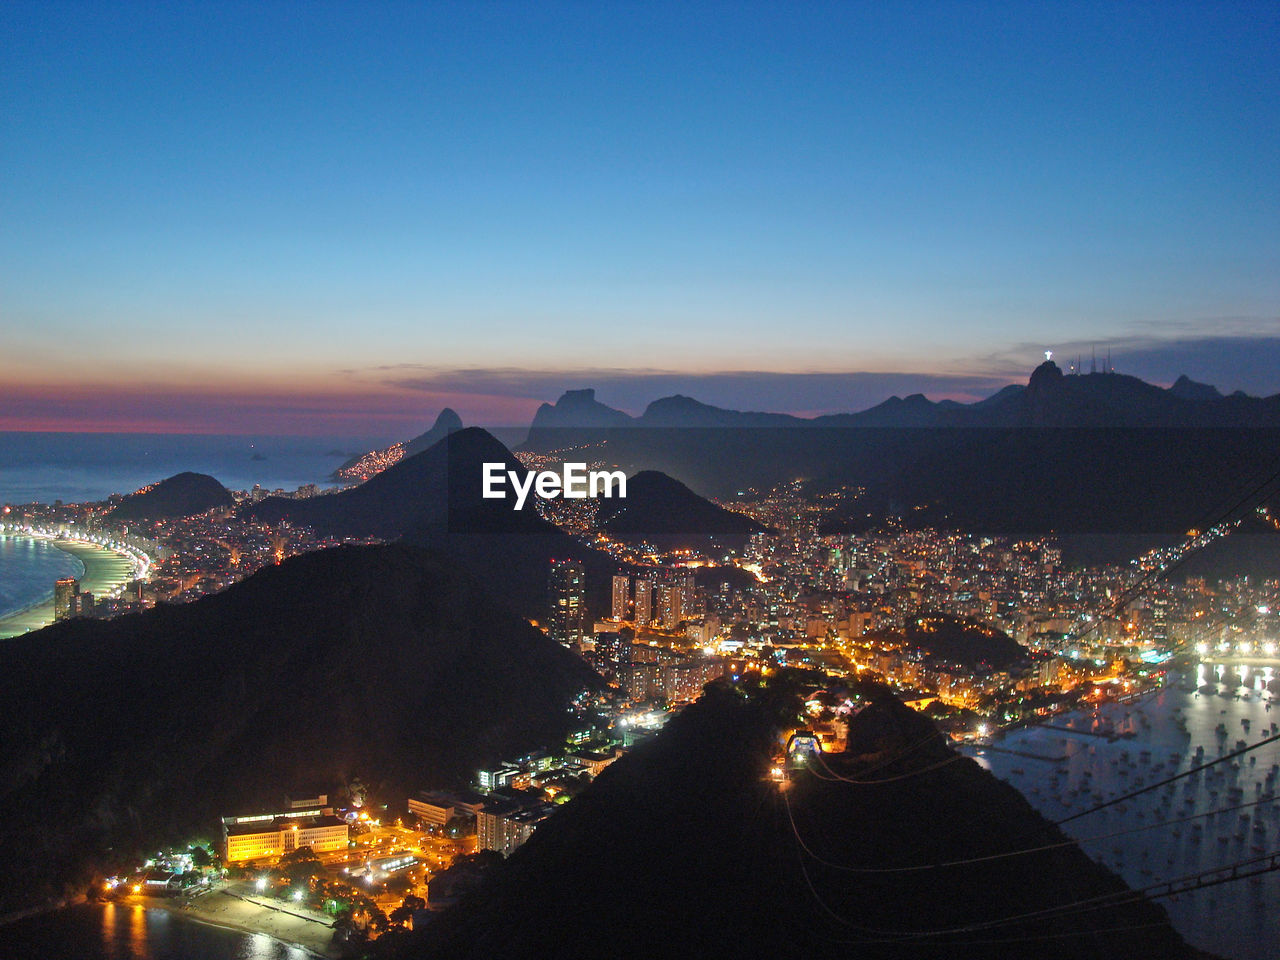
(568, 598)
(691, 599)
(644, 602)
(670, 605)
(64, 594)
(621, 597)
(82, 605)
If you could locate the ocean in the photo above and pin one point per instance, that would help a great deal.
(28, 568)
(79, 467)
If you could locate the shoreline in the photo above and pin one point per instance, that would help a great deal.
(229, 911)
(218, 909)
(105, 571)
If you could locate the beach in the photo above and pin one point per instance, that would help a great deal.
(295, 926)
(213, 926)
(105, 572)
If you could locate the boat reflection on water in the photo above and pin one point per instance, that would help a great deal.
(1092, 757)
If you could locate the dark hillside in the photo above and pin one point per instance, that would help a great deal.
(182, 495)
(377, 662)
(661, 509)
(685, 849)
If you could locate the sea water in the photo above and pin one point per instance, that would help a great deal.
(28, 568)
(1073, 763)
(133, 932)
(81, 467)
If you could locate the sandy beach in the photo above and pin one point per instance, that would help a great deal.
(298, 927)
(105, 570)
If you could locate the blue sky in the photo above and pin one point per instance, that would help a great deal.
(285, 200)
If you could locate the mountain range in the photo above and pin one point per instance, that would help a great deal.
(1100, 453)
(1080, 453)
(1049, 399)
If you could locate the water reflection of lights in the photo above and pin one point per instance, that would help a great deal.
(1249, 675)
(258, 945)
(138, 930)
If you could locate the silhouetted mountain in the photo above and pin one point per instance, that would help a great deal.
(913, 411)
(446, 423)
(1050, 398)
(1054, 399)
(1097, 453)
(683, 848)
(578, 412)
(1003, 395)
(379, 662)
(1188, 389)
(365, 465)
(436, 488)
(434, 499)
(679, 411)
(660, 509)
(182, 495)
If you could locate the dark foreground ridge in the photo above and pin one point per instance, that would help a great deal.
(182, 495)
(684, 848)
(378, 662)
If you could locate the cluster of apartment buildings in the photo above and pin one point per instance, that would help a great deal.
(511, 798)
(664, 600)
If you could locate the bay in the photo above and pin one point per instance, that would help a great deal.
(28, 567)
(1074, 763)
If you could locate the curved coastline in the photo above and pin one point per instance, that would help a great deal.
(229, 914)
(105, 572)
(245, 916)
(19, 611)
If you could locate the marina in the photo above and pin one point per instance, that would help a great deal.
(1206, 743)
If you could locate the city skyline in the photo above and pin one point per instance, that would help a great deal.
(288, 220)
(640, 478)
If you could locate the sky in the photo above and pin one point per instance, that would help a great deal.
(337, 218)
